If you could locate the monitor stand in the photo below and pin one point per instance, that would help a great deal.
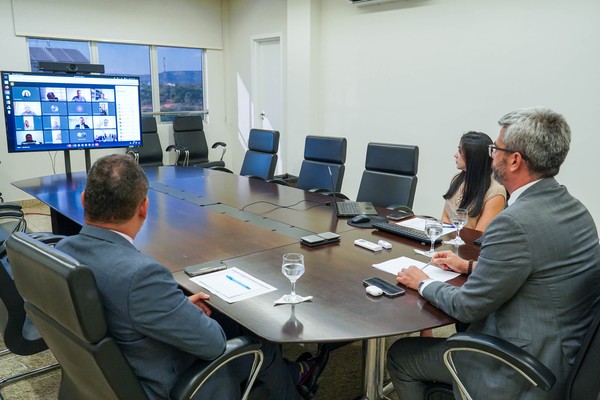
(88, 162)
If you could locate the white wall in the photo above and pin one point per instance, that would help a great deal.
(177, 22)
(425, 71)
(410, 71)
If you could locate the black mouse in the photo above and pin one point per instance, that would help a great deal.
(359, 219)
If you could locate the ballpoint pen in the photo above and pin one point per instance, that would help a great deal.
(231, 278)
(425, 266)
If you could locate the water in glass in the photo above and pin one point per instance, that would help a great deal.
(434, 229)
(459, 220)
(292, 267)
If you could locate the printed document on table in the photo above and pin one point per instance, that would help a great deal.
(233, 285)
(394, 266)
(419, 223)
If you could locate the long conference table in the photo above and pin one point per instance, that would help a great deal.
(200, 215)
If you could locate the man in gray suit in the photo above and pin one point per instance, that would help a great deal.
(536, 282)
(160, 331)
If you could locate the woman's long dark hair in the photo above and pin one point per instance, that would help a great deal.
(478, 175)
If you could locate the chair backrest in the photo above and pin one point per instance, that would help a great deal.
(20, 335)
(12, 219)
(63, 301)
(390, 175)
(583, 383)
(150, 154)
(321, 152)
(189, 132)
(261, 158)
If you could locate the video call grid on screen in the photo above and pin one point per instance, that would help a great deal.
(65, 112)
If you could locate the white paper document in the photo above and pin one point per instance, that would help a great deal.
(394, 266)
(233, 285)
(419, 223)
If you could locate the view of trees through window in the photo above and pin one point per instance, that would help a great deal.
(180, 80)
(178, 74)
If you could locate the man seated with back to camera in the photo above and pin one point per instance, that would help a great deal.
(536, 282)
(161, 331)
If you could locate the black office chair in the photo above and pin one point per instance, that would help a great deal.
(12, 219)
(582, 382)
(323, 154)
(63, 301)
(20, 336)
(390, 176)
(261, 158)
(150, 153)
(190, 143)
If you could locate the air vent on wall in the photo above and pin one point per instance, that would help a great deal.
(369, 2)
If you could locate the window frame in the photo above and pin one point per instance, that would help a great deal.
(154, 75)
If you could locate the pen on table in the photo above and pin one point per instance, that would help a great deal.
(448, 226)
(425, 266)
(231, 278)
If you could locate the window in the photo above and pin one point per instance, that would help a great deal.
(132, 60)
(179, 80)
(176, 72)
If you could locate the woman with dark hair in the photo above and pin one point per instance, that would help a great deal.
(474, 188)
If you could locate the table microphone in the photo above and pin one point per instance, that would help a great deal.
(332, 188)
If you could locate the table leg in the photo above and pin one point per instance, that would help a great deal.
(374, 363)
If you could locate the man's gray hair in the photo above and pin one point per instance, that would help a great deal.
(541, 135)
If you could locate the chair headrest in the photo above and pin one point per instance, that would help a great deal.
(58, 285)
(263, 140)
(393, 158)
(325, 149)
(149, 125)
(191, 123)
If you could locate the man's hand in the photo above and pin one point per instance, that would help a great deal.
(411, 277)
(449, 261)
(198, 300)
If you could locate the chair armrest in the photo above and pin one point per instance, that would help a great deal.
(328, 192)
(400, 207)
(134, 153)
(178, 149)
(11, 213)
(515, 357)
(220, 168)
(222, 144)
(10, 206)
(217, 144)
(279, 182)
(200, 371)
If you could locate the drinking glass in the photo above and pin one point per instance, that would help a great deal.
(459, 220)
(434, 229)
(292, 267)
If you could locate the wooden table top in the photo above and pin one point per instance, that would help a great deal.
(179, 232)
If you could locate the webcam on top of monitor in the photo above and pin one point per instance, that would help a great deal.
(71, 67)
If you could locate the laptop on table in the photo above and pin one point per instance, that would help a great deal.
(354, 208)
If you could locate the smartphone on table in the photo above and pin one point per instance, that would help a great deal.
(389, 289)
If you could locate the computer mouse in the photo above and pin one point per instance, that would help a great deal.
(374, 291)
(359, 219)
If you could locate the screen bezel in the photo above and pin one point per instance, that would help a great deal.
(126, 115)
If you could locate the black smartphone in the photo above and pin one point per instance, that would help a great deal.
(389, 289)
(398, 215)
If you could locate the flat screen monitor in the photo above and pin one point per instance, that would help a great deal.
(48, 111)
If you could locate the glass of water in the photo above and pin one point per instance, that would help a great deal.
(292, 267)
(459, 219)
(434, 229)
